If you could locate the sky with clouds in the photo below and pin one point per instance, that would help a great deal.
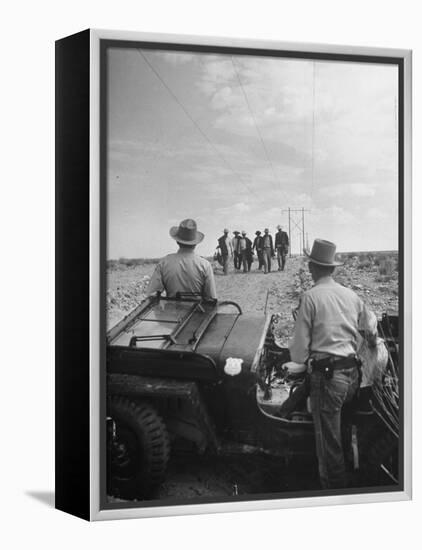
(232, 141)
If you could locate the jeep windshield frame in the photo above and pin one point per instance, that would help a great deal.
(158, 320)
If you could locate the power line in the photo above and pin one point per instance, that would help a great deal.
(204, 135)
(255, 124)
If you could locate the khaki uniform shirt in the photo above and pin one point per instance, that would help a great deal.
(328, 321)
(183, 271)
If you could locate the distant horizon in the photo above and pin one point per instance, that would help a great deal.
(338, 252)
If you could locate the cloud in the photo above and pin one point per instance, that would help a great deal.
(217, 72)
(236, 208)
(334, 215)
(342, 114)
(178, 58)
(374, 213)
(263, 89)
(349, 189)
(224, 98)
(241, 207)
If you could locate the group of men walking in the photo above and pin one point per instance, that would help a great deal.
(242, 249)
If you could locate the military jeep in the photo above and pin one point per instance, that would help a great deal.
(200, 373)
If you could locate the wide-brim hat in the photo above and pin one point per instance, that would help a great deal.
(186, 233)
(257, 232)
(323, 253)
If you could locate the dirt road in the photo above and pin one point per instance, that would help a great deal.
(255, 291)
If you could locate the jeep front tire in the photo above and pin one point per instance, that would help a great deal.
(138, 449)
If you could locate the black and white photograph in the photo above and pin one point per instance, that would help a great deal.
(253, 274)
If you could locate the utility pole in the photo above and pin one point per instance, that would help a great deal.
(297, 222)
(290, 232)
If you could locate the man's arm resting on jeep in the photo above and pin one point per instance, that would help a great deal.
(209, 289)
(156, 282)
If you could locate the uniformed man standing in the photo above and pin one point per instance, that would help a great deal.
(326, 338)
(184, 271)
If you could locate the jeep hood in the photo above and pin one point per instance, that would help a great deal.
(232, 335)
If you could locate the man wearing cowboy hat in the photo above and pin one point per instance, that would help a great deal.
(257, 245)
(226, 249)
(184, 271)
(235, 246)
(267, 250)
(282, 247)
(326, 337)
(245, 252)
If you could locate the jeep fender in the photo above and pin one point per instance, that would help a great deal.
(179, 403)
